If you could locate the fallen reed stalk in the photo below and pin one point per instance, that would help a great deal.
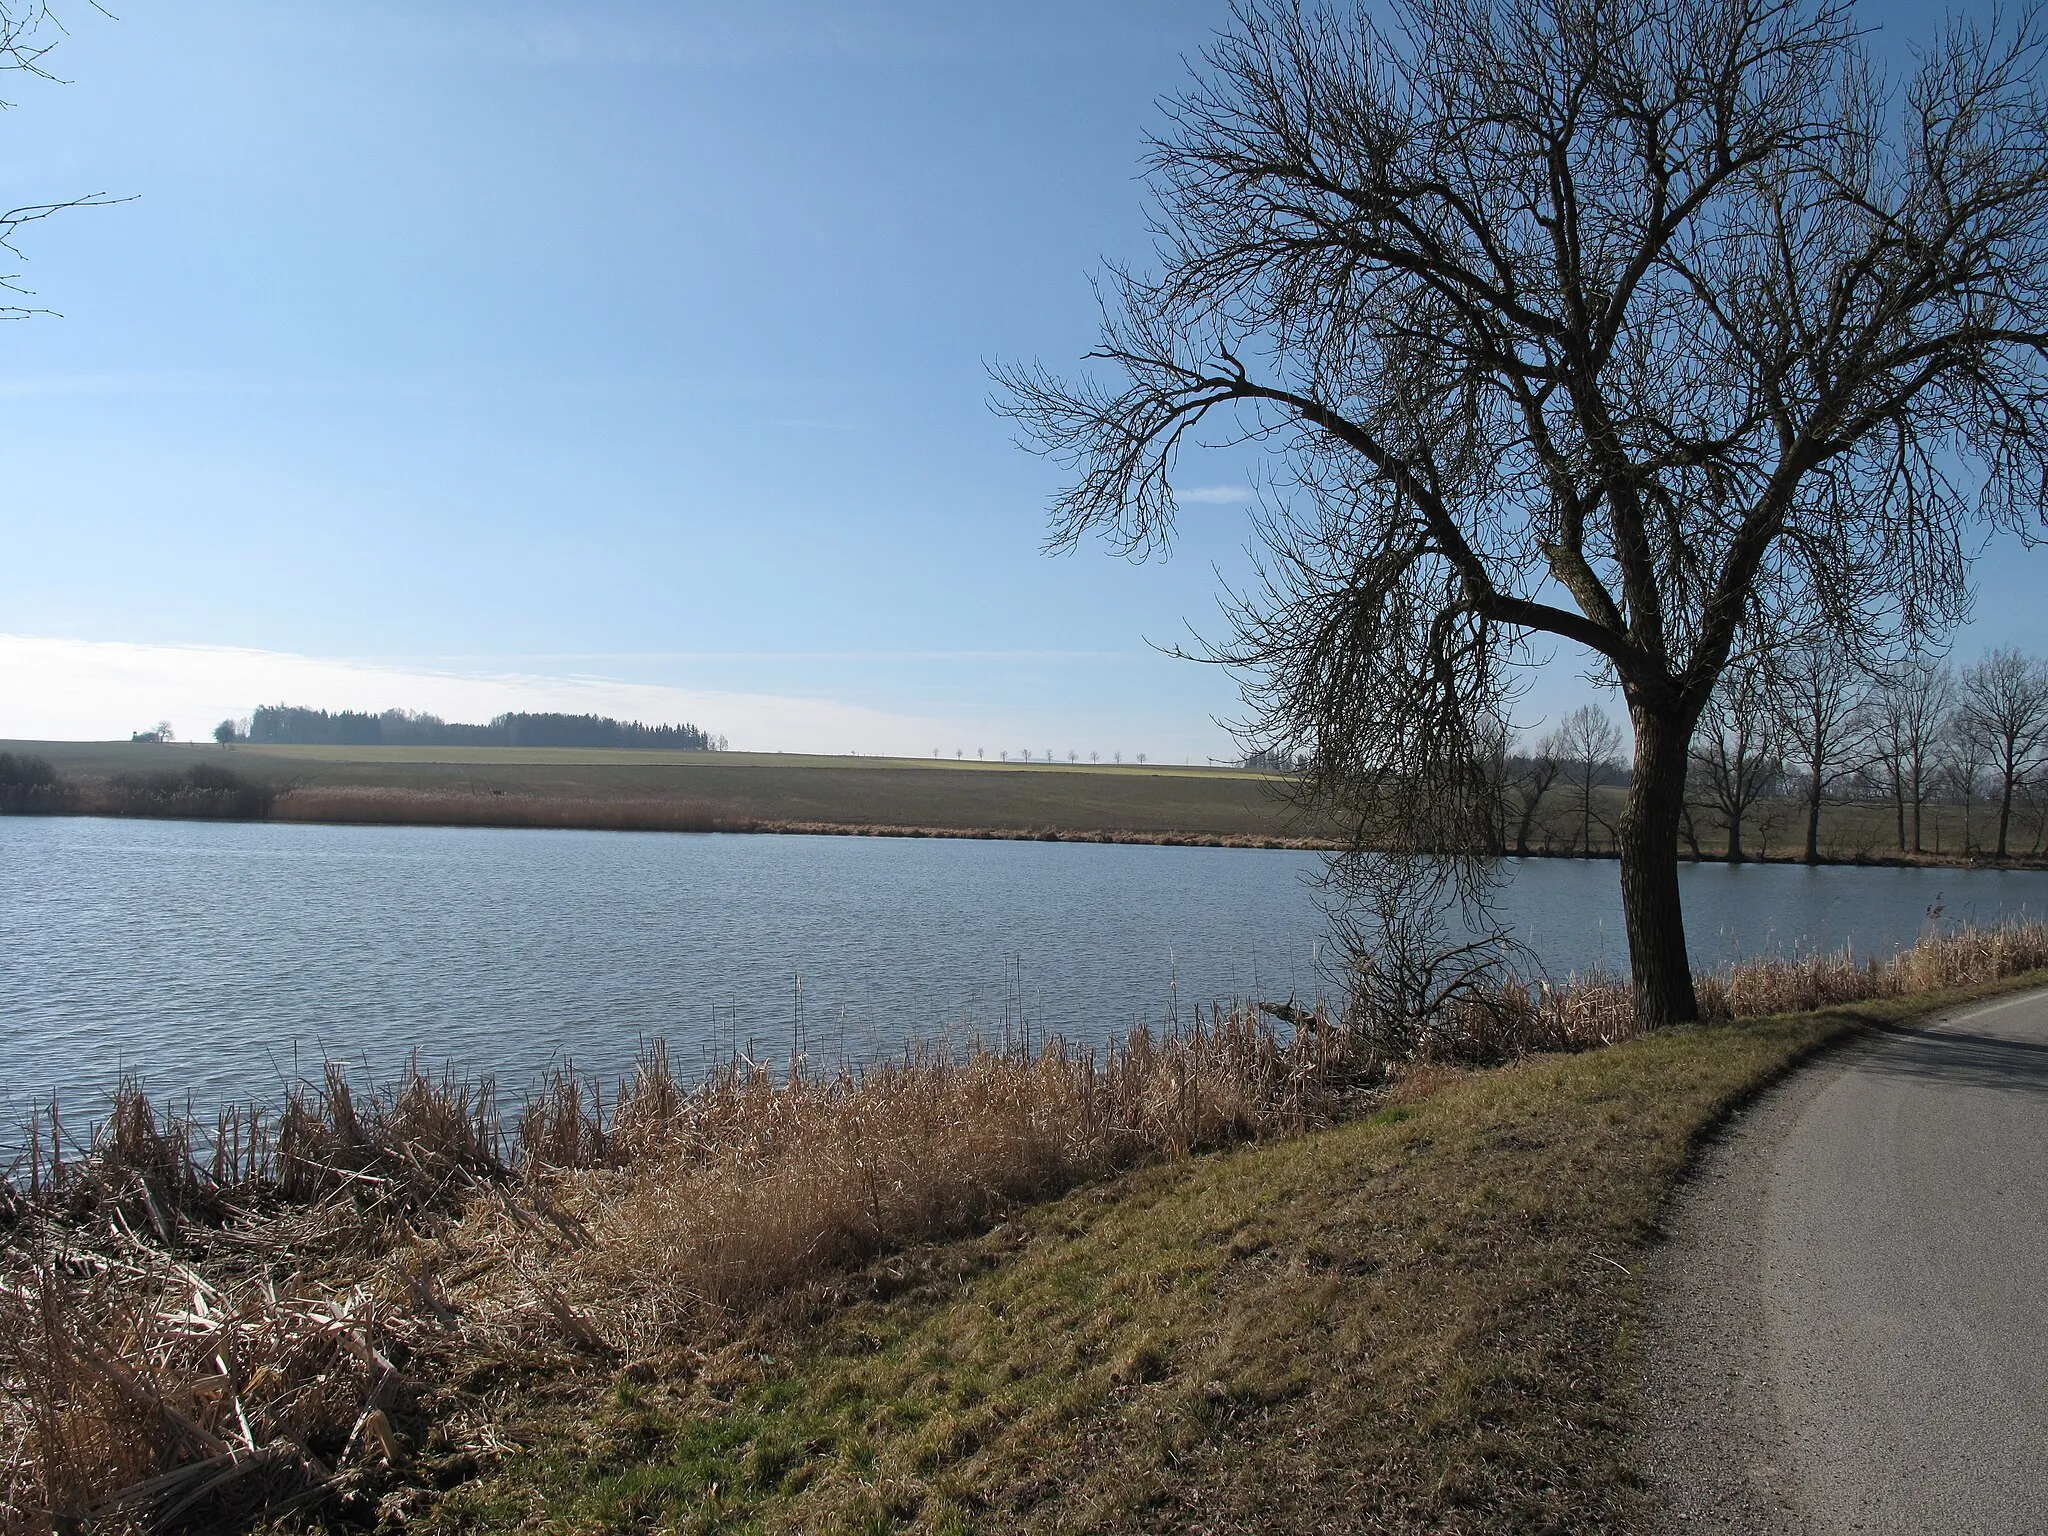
(199, 1325)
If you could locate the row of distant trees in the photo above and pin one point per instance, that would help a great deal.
(1029, 754)
(292, 725)
(1812, 728)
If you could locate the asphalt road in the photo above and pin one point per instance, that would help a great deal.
(1849, 1328)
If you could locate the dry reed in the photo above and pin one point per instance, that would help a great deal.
(1588, 1011)
(199, 1327)
(381, 806)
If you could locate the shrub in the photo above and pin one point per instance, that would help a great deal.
(203, 790)
(27, 784)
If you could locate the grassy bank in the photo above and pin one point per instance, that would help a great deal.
(1421, 1321)
(1223, 1280)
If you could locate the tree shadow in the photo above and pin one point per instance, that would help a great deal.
(1961, 1059)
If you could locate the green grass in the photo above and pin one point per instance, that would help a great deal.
(1426, 1320)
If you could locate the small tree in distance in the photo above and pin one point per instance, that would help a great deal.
(1818, 697)
(1907, 713)
(2005, 707)
(1668, 329)
(1963, 756)
(1591, 748)
(1736, 750)
(1532, 782)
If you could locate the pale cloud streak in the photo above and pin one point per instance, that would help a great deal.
(1214, 495)
(82, 690)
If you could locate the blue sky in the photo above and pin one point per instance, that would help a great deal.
(623, 356)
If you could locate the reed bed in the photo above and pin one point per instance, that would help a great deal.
(382, 806)
(1584, 1012)
(378, 805)
(198, 1324)
(201, 1325)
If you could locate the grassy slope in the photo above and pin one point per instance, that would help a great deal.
(1422, 1321)
(845, 791)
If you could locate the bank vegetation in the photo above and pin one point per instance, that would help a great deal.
(367, 1306)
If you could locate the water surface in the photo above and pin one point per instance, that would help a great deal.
(217, 960)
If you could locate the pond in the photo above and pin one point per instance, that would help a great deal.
(218, 961)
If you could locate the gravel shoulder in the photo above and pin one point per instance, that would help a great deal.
(1844, 1331)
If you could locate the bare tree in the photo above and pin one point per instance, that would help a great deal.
(2005, 706)
(28, 31)
(1657, 326)
(1414, 950)
(1530, 781)
(1907, 715)
(1737, 753)
(2033, 800)
(1962, 758)
(1591, 748)
(1818, 694)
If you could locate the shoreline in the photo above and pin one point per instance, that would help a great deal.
(1152, 804)
(401, 808)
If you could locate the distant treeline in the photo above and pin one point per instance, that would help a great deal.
(291, 725)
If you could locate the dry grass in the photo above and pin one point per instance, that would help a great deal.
(1422, 1320)
(362, 806)
(378, 806)
(354, 1297)
(198, 1326)
(1590, 1011)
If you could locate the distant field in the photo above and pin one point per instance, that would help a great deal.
(617, 787)
(628, 789)
(631, 757)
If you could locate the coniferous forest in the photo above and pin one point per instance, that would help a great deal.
(293, 725)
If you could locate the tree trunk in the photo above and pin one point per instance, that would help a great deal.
(2005, 808)
(1813, 790)
(1648, 844)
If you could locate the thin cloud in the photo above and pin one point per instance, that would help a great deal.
(1214, 495)
(855, 656)
(84, 690)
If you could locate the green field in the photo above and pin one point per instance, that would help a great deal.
(729, 788)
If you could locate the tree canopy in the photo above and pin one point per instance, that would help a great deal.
(1669, 329)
